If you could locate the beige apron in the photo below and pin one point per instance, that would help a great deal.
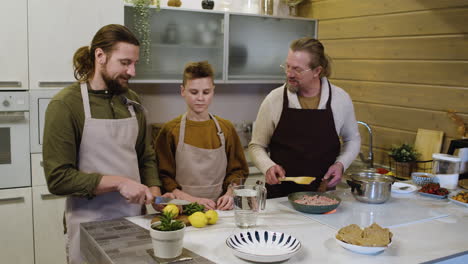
(107, 147)
(201, 172)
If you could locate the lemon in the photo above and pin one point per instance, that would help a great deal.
(212, 216)
(171, 208)
(198, 219)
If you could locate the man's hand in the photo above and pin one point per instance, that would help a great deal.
(273, 173)
(334, 174)
(225, 202)
(135, 192)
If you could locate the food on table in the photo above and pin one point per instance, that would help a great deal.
(323, 186)
(212, 216)
(372, 236)
(433, 188)
(198, 219)
(192, 208)
(461, 197)
(382, 171)
(315, 200)
(171, 208)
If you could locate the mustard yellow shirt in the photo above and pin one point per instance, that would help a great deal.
(201, 134)
(309, 102)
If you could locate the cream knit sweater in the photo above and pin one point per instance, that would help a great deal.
(270, 112)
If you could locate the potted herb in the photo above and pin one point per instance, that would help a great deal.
(404, 157)
(167, 236)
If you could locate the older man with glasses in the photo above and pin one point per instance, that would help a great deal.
(301, 124)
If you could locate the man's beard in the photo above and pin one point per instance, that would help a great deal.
(292, 88)
(113, 85)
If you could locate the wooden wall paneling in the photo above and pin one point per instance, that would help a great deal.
(443, 21)
(409, 119)
(453, 73)
(384, 138)
(345, 8)
(380, 155)
(441, 98)
(440, 47)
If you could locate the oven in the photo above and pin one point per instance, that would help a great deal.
(14, 140)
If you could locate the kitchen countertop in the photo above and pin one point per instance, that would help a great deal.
(421, 241)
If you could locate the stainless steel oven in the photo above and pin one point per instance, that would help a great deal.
(14, 140)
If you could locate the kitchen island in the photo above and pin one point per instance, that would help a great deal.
(443, 234)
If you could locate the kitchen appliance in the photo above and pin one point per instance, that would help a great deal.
(370, 187)
(14, 140)
(447, 169)
(39, 100)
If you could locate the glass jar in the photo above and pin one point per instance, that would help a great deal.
(266, 7)
(446, 168)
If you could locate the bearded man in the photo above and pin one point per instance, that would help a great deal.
(301, 123)
(95, 142)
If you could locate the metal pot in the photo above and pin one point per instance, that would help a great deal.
(370, 187)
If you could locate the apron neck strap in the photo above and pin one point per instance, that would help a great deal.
(183, 123)
(285, 97)
(329, 95)
(218, 129)
(84, 95)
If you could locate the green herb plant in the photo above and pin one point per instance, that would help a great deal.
(404, 153)
(142, 22)
(168, 223)
(191, 208)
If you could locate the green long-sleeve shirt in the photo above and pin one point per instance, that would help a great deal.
(63, 130)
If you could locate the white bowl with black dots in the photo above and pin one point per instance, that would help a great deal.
(263, 246)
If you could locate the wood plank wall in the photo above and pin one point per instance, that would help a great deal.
(403, 62)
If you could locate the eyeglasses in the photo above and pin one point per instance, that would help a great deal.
(295, 71)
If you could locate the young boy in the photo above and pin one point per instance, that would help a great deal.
(200, 155)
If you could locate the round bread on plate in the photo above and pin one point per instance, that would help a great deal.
(370, 240)
(313, 202)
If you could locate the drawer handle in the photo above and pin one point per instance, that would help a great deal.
(55, 83)
(12, 199)
(46, 196)
(10, 84)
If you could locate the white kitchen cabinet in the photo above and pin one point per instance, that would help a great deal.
(243, 48)
(37, 170)
(16, 226)
(57, 28)
(49, 240)
(14, 45)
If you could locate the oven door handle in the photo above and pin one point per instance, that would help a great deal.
(12, 116)
(12, 199)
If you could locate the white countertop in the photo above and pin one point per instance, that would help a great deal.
(412, 242)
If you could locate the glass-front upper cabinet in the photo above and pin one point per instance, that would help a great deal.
(179, 36)
(259, 44)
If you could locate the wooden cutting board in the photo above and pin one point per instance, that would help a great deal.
(428, 142)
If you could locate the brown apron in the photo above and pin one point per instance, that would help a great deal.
(305, 143)
(107, 147)
(201, 172)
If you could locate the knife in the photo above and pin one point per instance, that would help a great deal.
(166, 200)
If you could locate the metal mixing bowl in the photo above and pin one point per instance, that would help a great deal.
(370, 187)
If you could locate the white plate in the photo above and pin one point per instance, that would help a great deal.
(397, 185)
(263, 246)
(458, 202)
(361, 249)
